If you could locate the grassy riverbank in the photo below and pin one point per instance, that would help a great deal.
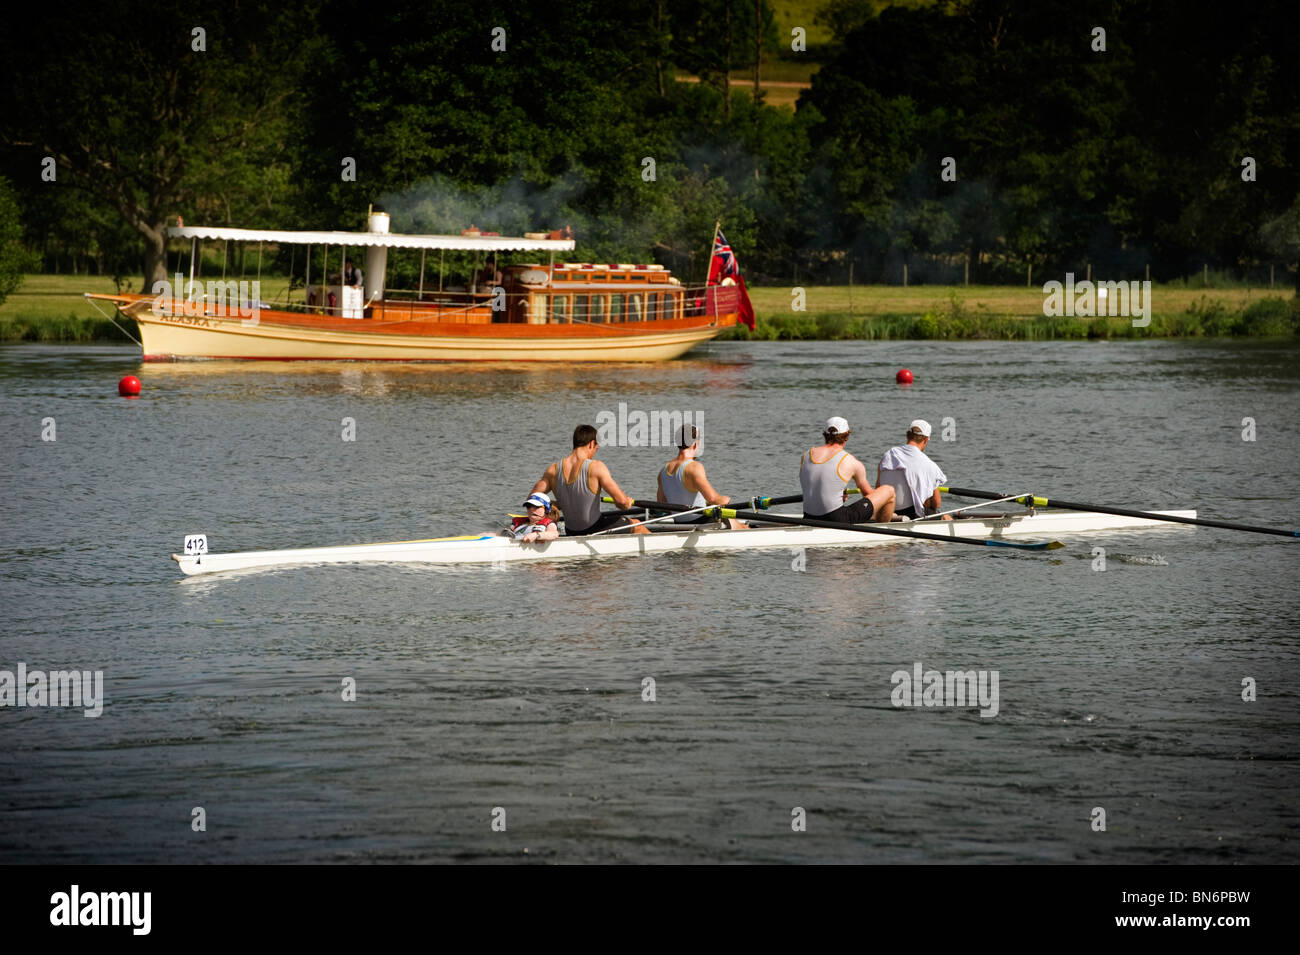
(50, 308)
(1009, 313)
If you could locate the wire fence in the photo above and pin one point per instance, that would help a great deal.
(954, 271)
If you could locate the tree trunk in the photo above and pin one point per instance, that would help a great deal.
(659, 47)
(726, 65)
(155, 255)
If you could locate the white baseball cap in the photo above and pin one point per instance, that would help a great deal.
(836, 425)
(920, 427)
(538, 500)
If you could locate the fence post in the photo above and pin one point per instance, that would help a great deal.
(904, 275)
(1089, 268)
(850, 286)
(1270, 275)
(1148, 271)
(1205, 274)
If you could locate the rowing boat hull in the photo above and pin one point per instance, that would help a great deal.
(496, 549)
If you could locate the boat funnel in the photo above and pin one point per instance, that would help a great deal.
(376, 257)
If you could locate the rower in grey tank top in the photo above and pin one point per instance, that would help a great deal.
(581, 507)
(676, 492)
(823, 488)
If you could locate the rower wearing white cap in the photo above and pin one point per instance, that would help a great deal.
(824, 475)
(913, 476)
(683, 481)
(536, 524)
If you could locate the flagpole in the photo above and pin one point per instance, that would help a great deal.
(708, 275)
(717, 227)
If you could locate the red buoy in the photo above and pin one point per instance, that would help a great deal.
(129, 387)
(904, 377)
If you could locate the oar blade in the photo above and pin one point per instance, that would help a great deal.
(1025, 545)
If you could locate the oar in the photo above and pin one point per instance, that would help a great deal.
(1033, 501)
(560, 517)
(638, 505)
(962, 510)
(889, 531)
(642, 506)
(653, 520)
(762, 503)
(834, 525)
(956, 510)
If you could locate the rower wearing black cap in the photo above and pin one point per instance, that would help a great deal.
(682, 480)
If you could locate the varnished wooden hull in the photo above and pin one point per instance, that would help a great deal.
(286, 336)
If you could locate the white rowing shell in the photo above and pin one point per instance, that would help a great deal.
(496, 548)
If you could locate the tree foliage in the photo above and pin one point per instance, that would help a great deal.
(154, 111)
(14, 257)
(521, 117)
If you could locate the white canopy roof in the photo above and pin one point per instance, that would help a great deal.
(393, 240)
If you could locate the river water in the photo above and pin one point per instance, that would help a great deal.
(501, 714)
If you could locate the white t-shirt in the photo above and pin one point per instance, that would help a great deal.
(912, 475)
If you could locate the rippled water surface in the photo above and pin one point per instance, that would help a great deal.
(521, 690)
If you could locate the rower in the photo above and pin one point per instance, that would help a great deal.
(913, 476)
(682, 480)
(824, 475)
(578, 480)
(537, 523)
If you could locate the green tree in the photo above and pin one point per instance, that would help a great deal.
(1281, 237)
(15, 260)
(1064, 152)
(151, 117)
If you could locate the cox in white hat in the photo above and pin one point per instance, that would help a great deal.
(538, 500)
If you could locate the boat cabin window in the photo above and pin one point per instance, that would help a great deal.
(616, 308)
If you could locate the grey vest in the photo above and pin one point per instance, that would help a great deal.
(581, 507)
(676, 492)
(823, 488)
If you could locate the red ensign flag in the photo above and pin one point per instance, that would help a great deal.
(723, 266)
